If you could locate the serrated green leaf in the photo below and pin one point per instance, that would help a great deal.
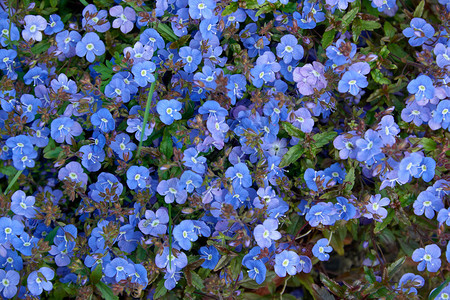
(197, 281)
(350, 179)
(292, 155)
(96, 275)
(328, 38)
(160, 290)
(293, 131)
(51, 235)
(395, 266)
(105, 291)
(382, 225)
(419, 9)
(231, 8)
(348, 18)
(324, 138)
(428, 144)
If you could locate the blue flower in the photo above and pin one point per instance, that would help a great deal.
(266, 233)
(428, 258)
(257, 270)
(67, 41)
(64, 128)
(368, 146)
(143, 73)
(119, 269)
(304, 264)
(8, 283)
(409, 282)
(388, 130)
(170, 190)
(201, 8)
(190, 180)
(421, 87)
(440, 114)
(33, 27)
(345, 209)
(136, 177)
(25, 243)
(38, 281)
(104, 120)
(154, 223)
(288, 49)
(169, 110)
(177, 260)
(239, 175)
(321, 213)
(444, 217)
(352, 82)
(9, 229)
(409, 166)
(321, 249)
(22, 205)
(286, 261)
(36, 76)
(191, 58)
(123, 147)
(184, 234)
(427, 203)
(92, 159)
(193, 161)
(8, 31)
(90, 46)
(211, 257)
(20, 145)
(419, 32)
(151, 37)
(375, 209)
(55, 25)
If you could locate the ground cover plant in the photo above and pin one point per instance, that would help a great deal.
(235, 149)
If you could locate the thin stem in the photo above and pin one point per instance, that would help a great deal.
(10, 185)
(147, 109)
(284, 287)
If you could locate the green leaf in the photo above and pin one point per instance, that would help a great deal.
(231, 8)
(419, 9)
(39, 48)
(293, 131)
(363, 25)
(166, 146)
(436, 292)
(379, 77)
(395, 266)
(96, 275)
(160, 290)
(389, 30)
(292, 155)
(106, 292)
(53, 3)
(349, 180)
(333, 286)
(428, 144)
(166, 32)
(324, 138)
(382, 225)
(197, 281)
(348, 18)
(49, 238)
(8, 171)
(53, 154)
(328, 38)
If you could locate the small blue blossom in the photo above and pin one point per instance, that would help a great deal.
(321, 249)
(266, 233)
(90, 46)
(168, 110)
(428, 258)
(427, 203)
(288, 49)
(418, 32)
(38, 281)
(286, 261)
(352, 82)
(211, 257)
(184, 234)
(143, 73)
(136, 177)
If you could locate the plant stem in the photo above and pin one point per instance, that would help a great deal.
(10, 185)
(147, 109)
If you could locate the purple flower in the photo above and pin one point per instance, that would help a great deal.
(302, 119)
(64, 128)
(369, 146)
(93, 19)
(427, 257)
(388, 130)
(419, 32)
(375, 209)
(90, 46)
(67, 42)
(38, 281)
(170, 190)
(125, 18)
(346, 143)
(266, 233)
(304, 264)
(33, 27)
(321, 249)
(154, 223)
(74, 172)
(310, 77)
